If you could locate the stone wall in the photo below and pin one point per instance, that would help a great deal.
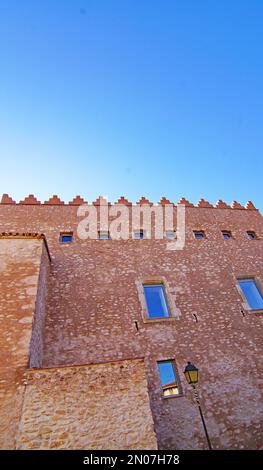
(37, 338)
(102, 406)
(20, 260)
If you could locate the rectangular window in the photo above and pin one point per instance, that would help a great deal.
(199, 234)
(227, 234)
(170, 234)
(139, 234)
(156, 301)
(103, 235)
(168, 378)
(66, 237)
(252, 293)
(251, 235)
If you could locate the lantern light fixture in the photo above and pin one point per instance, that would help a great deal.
(191, 374)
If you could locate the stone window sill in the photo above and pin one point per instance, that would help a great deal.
(172, 396)
(157, 320)
(251, 310)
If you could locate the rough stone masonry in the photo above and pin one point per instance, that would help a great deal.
(78, 356)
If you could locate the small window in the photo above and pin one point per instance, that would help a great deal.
(170, 234)
(168, 378)
(156, 301)
(139, 234)
(199, 234)
(251, 293)
(251, 235)
(103, 235)
(226, 234)
(66, 237)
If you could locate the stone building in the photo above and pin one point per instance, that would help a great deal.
(96, 333)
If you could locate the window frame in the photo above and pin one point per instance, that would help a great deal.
(201, 232)
(139, 232)
(103, 232)
(227, 232)
(171, 232)
(170, 296)
(66, 234)
(255, 237)
(259, 286)
(177, 376)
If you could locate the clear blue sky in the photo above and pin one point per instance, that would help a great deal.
(132, 97)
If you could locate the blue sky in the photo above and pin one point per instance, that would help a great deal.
(132, 97)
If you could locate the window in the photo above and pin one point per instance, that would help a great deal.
(251, 293)
(226, 234)
(139, 234)
(103, 235)
(251, 235)
(156, 301)
(66, 237)
(199, 234)
(170, 234)
(168, 378)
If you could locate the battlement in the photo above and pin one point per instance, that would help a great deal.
(78, 201)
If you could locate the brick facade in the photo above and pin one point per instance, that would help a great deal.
(94, 314)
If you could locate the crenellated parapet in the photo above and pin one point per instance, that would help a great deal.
(31, 200)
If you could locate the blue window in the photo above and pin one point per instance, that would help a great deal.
(156, 301)
(251, 235)
(139, 234)
(227, 234)
(103, 235)
(199, 234)
(168, 378)
(66, 238)
(252, 293)
(170, 234)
